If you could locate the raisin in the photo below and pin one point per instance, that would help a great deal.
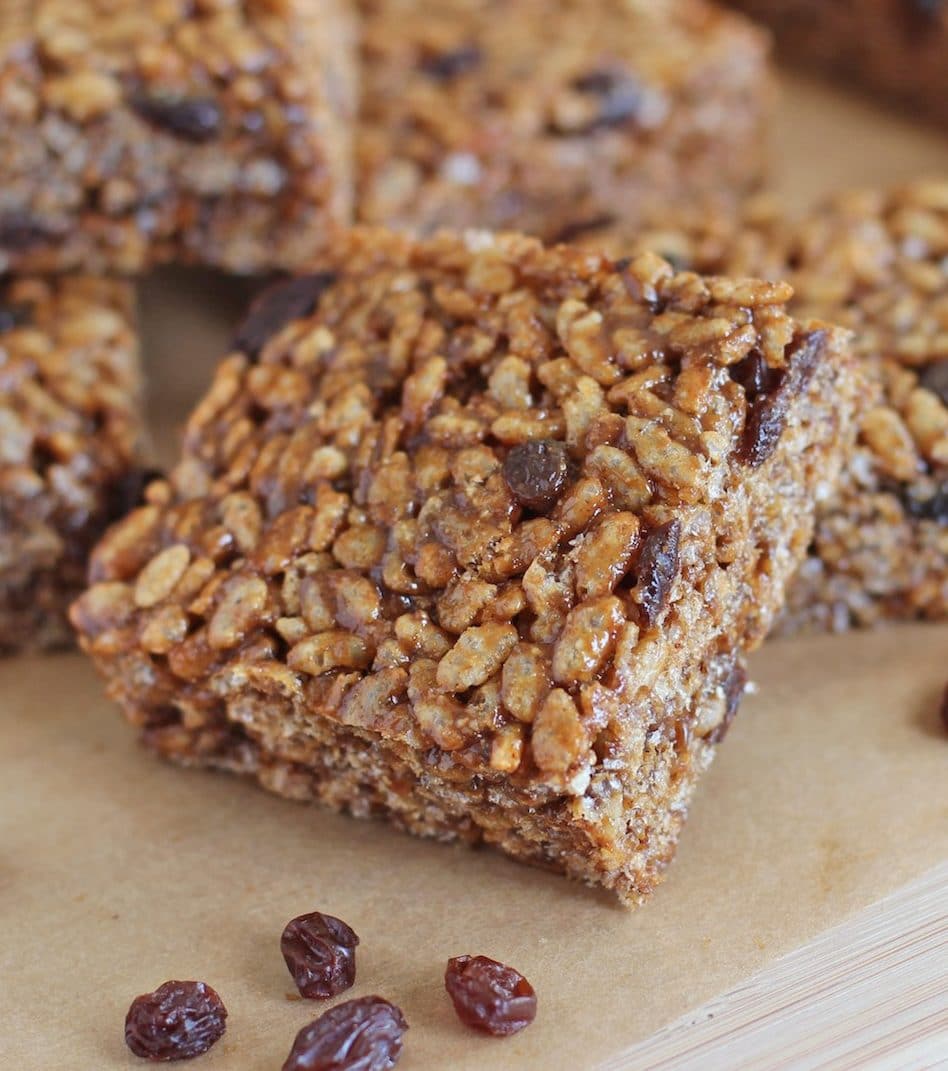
(620, 99)
(571, 231)
(444, 66)
(756, 376)
(12, 316)
(278, 306)
(921, 15)
(179, 1020)
(943, 710)
(19, 233)
(128, 491)
(489, 996)
(933, 508)
(935, 379)
(320, 953)
(357, 1035)
(537, 473)
(767, 411)
(734, 688)
(195, 119)
(659, 564)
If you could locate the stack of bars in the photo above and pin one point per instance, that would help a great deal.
(490, 499)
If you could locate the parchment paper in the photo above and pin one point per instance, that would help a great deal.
(118, 872)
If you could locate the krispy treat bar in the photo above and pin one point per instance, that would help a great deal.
(473, 534)
(557, 118)
(877, 262)
(69, 430)
(136, 131)
(896, 48)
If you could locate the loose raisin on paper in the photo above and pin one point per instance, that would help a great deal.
(357, 1035)
(177, 1021)
(490, 996)
(320, 953)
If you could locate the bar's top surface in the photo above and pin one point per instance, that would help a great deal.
(428, 440)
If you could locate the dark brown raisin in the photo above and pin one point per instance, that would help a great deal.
(537, 473)
(179, 1020)
(357, 1035)
(447, 65)
(734, 688)
(935, 379)
(944, 708)
(320, 953)
(19, 233)
(194, 119)
(571, 231)
(767, 411)
(12, 316)
(756, 376)
(659, 563)
(128, 491)
(920, 16)
(489, 996)
(620, 99)
(278, 306)
(930, 507)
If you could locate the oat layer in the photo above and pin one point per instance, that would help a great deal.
(557, 118)
(69, 428)
(136, 131)
(896, 48)
(474, 534)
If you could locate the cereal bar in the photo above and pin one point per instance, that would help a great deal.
(137, 131)
(877, 262)
(69, 429)
(556, 118)
(473, 534)
(896, 48)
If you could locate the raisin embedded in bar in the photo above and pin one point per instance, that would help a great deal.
(562, 119)
(70, 427)
(477, 538)
(139, 131)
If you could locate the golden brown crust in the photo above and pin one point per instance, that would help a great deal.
(505, 514)
(69, 432)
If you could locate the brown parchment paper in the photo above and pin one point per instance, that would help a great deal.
(118, 872)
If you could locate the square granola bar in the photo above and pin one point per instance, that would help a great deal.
(877, 262)
(69, 432)
(898, 49)
(474, 534)
(138, 131)
(556, 118)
